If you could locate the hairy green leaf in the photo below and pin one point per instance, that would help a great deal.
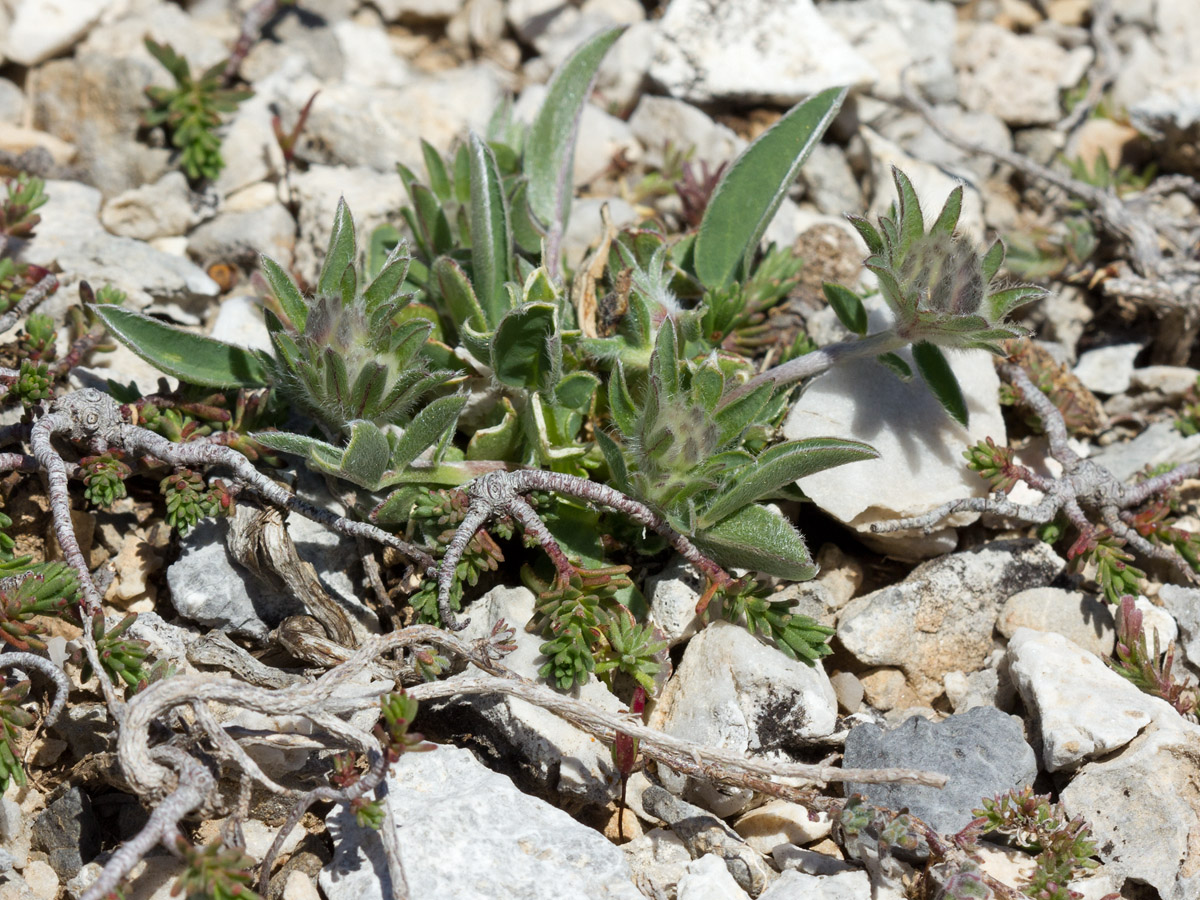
(426, 429)
(936, 371)
(341, 253)
(748, 196)
(491, 241)
(527, 348)
(780, 465)
(291, 301)
(193, 358)
(759, 539)
(550, 146)
(847, 306)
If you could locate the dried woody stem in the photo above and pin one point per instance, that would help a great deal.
(1084, 487)
(153, 773)
(499, 494)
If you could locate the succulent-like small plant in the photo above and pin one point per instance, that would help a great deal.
(214, 872)
(191, 110)
(189, 499)
(24, 194)
(1147, 665)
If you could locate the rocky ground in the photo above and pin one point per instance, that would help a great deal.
(975, 650)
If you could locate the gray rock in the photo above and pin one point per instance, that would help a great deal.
(14, 887)
(1082, 618)
(1080, 708)
(1159, 444)
(531, 742)
(586, 224)
(86, 728)
(658, 858)
(467, 832)
(732, 691)
(1184, 604)
(95, 101)
(940, 618)
(1142, 809)
(6, 861)
(673, 595)
(1171, 382)
(1107, 370)
(373, 197)
(795, 885)
(849, 691)
(780, 52)
(707, 878)
(1017, 78)
(240, 321)
(162, 209)
(982, 751)
(209, 588)
(601, 136)
(570, 26)
(920, 446)
(915, 136)
(418, 10)
(67, 831)
(12, 102)
(658, 121)
(987, 687)
(41, 29)
(892, 35)
(240, 236)
(829, 182)
(15, 832)
(71, 235)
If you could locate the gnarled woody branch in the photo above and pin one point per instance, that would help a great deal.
(154, 775)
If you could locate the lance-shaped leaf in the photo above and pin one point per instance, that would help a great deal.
(550, 153)
(936, 371)
(340, 256)
(748, 196)
(526, 350)
(847, 306)
(912, 223)
(365, 458)
(426, 429)
(458, 295)
(291, 301)
(193, 358)
(779, 465)
(759, 539)
(491, 240)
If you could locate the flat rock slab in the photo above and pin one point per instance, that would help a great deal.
(982, 751)
(466, 832)
(1082, 708)
(758, 49)
(940, 618)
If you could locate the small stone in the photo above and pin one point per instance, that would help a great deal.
(240, 321)
(1184, 605)
(732, 691)
(658, 859)
(459, 825)
(1157, 624)
(673, 594)
(1081, 707)
(42, 879)
(66, 830)
(1172, 382)
(982, 751)
(781, 822)
(1082, 618)
(135, 563)
(151, 211)
(886, 688)
(940, 618)
(1107, 370)
(840, 573)
(707, 878)
(237, 236)
(41, 29)
(300, 887)
(849, 691)
(659, 121)
(796, 885)
(781, 52)
(823, 858)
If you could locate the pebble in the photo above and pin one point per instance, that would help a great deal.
(1107, 370)
(982, 751)
(781, 822)
(1082, 618)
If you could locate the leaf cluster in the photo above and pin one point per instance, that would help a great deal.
(1142, 662)
(191, 110)
(24, 194)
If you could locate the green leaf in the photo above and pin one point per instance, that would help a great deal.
(426, 429)
(899, 367)
(611, 451)
(576, 390)
(491, 243)
(384, 239)
(620, 401)
(745, 201)
(869, 235)
(947, 219)
(1001, 303)
(366, 456)
(993, 260)
(759, 539)
(189, 357)
(291, 301)
(439, 181)
(780, 465)
(664, 362)
(550, 146)
(737, 415)
(498, 441)
(912, 223)
(936, 371)
(527, 348)
(341, 252)
(458, 295)
(848, 307)
(387, 283)
(434, 227)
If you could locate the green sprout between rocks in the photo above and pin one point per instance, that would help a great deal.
(191, 111)
(1145, 664)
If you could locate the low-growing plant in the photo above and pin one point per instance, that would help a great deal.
(191, 111)
(1143, 662)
